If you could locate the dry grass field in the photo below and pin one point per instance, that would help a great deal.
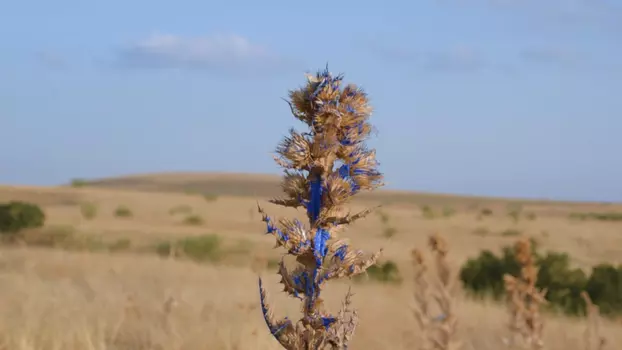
(87, 297)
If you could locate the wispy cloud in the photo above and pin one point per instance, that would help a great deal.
(464, 58)
(228, 52)
(457, 59)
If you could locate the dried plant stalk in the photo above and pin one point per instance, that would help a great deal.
(592, 337)
(438, 333)
(324, 168)
(524, 300)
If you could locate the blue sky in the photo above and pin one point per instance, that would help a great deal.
(489, 97)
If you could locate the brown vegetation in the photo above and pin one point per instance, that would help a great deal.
(75, 299)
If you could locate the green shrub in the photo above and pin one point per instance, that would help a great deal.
(485, 212)
(515, 215)
(610, 216)
(120, 245)
(194, 220)
(483, 276)
(198, 248)
(515, 211)
(202, 248)
(123, 212)
(389, 232)
(564, 284)
(77, 183)
(16, 216)
(448, 212)
(427, 212)
(88, 210)
(386, 272)
(605, 288)
(164, 249)
(511, 233)
(530, 216)
(210, 197)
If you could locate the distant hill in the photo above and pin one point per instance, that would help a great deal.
(221, 184)
(268, 186)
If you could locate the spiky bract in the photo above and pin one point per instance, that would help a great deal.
(324, 168)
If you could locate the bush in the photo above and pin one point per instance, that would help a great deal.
(483, 276)
(515, 211)
(88, 210)
(485, 212)
(564, 283)
(611, 216)
(427, 212)
(605, 288)
(120, 245)
(386, 272)
(193, 220)
(199, 248)
(448, 212)
(389, 232)
(510, 233)
(123, 212)
(77, 183)
(16, 216)
(210, 197)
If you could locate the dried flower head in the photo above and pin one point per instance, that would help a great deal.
(437, 332)
(324, 168)
(524, 299)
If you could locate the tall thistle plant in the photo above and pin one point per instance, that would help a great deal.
(324, 167)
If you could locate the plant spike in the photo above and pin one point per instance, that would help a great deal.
(324, 168)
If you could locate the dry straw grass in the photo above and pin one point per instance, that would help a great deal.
(436, 332)
(53, 300)
(593, 338)
(524, 300)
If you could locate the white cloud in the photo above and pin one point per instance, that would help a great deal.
(221, 51)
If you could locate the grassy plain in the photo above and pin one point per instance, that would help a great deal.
(111, 291)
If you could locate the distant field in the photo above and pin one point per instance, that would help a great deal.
(268, 186)
(227, 204)
(220, 299)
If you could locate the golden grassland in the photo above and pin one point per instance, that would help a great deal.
(70, 300)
